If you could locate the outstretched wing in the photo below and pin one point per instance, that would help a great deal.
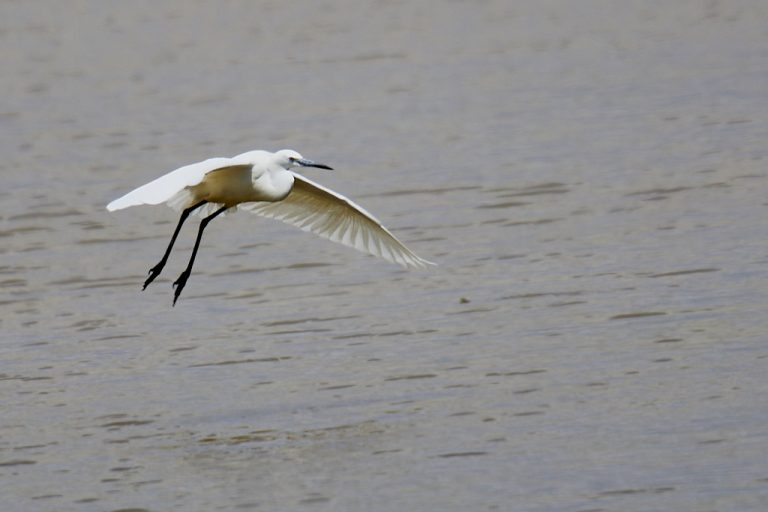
(167, 186)
(316, 209)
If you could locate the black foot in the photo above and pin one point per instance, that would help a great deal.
(153, 273)
(178, 285)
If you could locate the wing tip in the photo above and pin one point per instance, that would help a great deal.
(412, 261)
(121, 203)
(421, 264)
(427, 263)
(114, 205)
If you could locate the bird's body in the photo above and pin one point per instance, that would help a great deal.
(263, 183)
(249, 177)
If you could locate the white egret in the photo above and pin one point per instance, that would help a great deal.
(263, 183)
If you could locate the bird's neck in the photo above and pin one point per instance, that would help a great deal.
(274, 184)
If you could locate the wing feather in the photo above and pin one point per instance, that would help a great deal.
(319, 210)
(169, 185)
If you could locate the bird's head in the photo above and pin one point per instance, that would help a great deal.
(288, 159)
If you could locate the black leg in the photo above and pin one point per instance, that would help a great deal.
(155, 271)
(182, 280)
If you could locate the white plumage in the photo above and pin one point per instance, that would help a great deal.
(316, 209)
(165, 187)
(263, 183)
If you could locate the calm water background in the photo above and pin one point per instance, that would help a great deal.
(591, 177)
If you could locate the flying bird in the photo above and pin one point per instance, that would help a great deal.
(264, 183)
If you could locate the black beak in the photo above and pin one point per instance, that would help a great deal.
(309, 163)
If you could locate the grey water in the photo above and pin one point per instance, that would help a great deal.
(590, 176)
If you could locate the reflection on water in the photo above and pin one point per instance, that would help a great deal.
(590, 180)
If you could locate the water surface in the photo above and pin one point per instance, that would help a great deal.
(591, 180)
